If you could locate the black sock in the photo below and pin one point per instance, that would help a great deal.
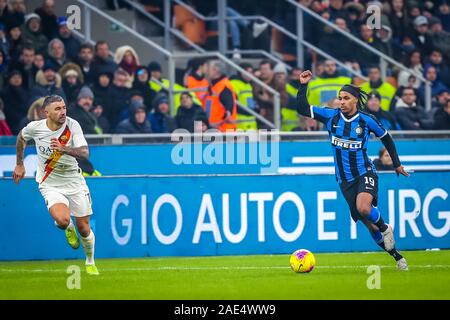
(394, 253)
(381, 224)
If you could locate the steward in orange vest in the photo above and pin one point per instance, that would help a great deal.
(196, 78)
(220, 103)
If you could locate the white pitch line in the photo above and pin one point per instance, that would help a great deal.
(438, 266)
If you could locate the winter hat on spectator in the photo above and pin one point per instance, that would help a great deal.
(374, 94)
(70, 72)
(14, 72)
(85, 92)
(154, 66)
(30, 16)
(434, 20)
(48, 66)
(135, 105)
(420, 20)
(280, 68)
(62, 21)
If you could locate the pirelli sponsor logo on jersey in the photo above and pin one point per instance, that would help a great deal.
(346, 144)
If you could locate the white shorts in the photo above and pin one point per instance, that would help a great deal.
(78, 199)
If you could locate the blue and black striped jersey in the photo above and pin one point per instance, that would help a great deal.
(349, 139)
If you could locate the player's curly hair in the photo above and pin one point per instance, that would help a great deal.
(358, 93)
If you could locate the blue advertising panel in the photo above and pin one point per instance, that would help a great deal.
(225, 215)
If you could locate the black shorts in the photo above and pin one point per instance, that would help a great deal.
(368, 182)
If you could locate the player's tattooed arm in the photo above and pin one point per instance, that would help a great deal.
(19, 170)
(79, 152)
(20, 147)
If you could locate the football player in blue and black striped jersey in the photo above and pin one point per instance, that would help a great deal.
(349, 129)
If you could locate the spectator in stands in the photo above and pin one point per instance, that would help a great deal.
(48, 18)
(421, 38)
(444, 14)
(102, 122)
(81, 111)
(440, 100)
(355, 16)
(4, 128)
(38, 62)
(436, 85)
(337, 44)
(364, 57)
(294, 82)
(48, 82)
(243, 88)
(32, 33)
(137, 122)
(375, 83)
(26, 67)
(188, 113)
(327, 85)
(72, 81)
(195, 79)
(71, 44)
(56, 53)
(410, 116)
(442, 69)
(384, 161)
(118, 97)
(101, 88)
(15, 98)
(160, 119)
(84, 60)
(414, 63)
(127, 59)
(384, 35)
(288, 104)
(442, 117)
(35, 112)
(263, 98)
(15, 40)
(102, 60)
(440, 37)
(4, 43)
(13, 13)
(141, 84)
(398, 18)
(3, 68)
(336, 9)
(387, 119)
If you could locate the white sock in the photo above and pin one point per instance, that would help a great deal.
(88, 244)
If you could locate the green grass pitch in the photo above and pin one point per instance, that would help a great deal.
(267, 277)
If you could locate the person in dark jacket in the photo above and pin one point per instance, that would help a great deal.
(384, 161)
(142, 85)
(102, 60)
(101, 86)
(48, 82)
(15, 98)
(409, 115)
(71, 44)
(118, 98)
(80, 111)
(442, 118)
(32, 33)
(188, 112)
(72, 81)
(48, 18)
(137, 122)
(387, 119)
(160, 119)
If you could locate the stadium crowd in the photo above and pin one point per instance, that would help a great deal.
(39, 55)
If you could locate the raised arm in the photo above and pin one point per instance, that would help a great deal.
(19, 170)
(303, 106)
